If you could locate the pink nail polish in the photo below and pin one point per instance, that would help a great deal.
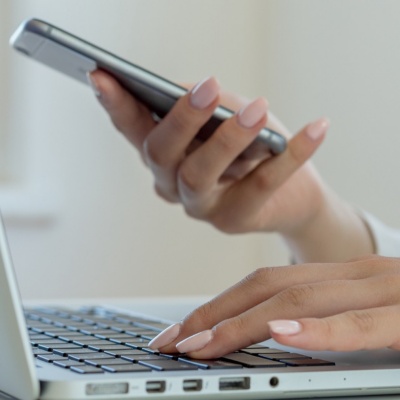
(167, 336)
(284, 327)
(195, 342)
(317, 128)
(251, 114)
(204, 93)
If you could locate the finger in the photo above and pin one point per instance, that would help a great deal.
(128, 115)
(166, 146)
(235, 102)
(200, 172)
(256, 288)
(350, 331)
(252, 192)
(317, 300)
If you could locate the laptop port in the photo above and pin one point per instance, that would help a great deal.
(192, 385)
(155, 386)
(241, 383)
(274, 381)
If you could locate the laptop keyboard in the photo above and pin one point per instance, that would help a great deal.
(97, 341)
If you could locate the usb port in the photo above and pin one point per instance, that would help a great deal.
(155, 386)
(241, 383)
(192, 385)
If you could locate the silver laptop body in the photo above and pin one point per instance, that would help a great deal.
(27, 378)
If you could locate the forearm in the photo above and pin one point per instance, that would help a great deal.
(336, 232)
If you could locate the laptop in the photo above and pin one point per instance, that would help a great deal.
(98, 352)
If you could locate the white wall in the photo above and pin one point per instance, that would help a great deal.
(341, 59)
(87, 207)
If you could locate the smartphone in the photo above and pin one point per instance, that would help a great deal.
(76, 57)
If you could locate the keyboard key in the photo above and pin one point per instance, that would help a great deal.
(64, 345)
(82, 350)
(36, 351)
(211, 364)
(167, 365)
(93, 330)
(125, 368)
(307, 362)
(137, 354)
(142, 357)
(283, 355)
(111, 361)
(251, 361)
(137, 342)
(261, 350)
(59, 345)
(108, 346)
(156, 326)
(86, 369)
(36, 342)
(120, 353)
(92, 356)
(51, 357)
(68, 363)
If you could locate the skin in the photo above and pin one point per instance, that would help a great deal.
(281, 194)
(338, 306)
(327, 303)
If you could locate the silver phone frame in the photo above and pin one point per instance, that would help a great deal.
(57, 48)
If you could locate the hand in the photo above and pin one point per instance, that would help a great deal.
(282, 194)
(340, 307)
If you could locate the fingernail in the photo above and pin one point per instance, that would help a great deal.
(204, 93)
(167, 336)
(93, 84)
(316, 129)
(251, 114)
(195, 342)
(284, 327)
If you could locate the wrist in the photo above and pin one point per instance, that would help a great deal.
(335, 232)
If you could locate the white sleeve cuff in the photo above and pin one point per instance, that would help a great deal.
(387, 239)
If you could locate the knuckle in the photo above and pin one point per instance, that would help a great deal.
(237, 327)
(201, 317)
(189, 179)
(220, 221)
(258, 278)
(153, 155)
(362, 320)
(193, 212)
(171, 198)
(377, 265)
(298, 297)
(179, 122)
(332, 333)
(365, 259)
(224, 140)
(333, 340)
(263, 179)
(119, 125)
(262, 274)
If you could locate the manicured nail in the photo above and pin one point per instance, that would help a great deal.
(167, 336)
(195, 342)
(93, 84)
(252, 113)
(204, 93)
(316, 129)
(284, 327)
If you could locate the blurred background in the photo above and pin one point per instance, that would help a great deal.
(78, 204)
